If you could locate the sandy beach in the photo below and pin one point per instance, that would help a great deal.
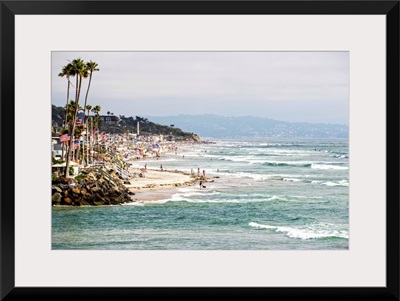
(157, 184)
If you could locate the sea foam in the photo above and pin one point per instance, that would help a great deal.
(314, 231)
(326, 166)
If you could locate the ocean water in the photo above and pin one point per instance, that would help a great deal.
(264, 195)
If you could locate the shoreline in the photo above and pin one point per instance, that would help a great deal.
(107, 184)
(157, 184)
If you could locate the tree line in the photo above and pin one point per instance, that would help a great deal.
(79, 70)
(125, 125)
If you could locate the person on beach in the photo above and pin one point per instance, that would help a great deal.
(204, 172)
(201, 184)
(161, 167)
(145, 166)
(198, 171)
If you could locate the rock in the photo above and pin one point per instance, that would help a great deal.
(56, 198)
(67, 200)
(98, 187)
(56, 188)
(95, 189)
(63, 186)
(70, 180)
(84, 202)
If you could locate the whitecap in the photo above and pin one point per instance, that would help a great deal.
(340, 183)
(313, 231)
(326, 166)
(237, 200)
(291, 180)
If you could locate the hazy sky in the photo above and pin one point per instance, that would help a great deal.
(290, 86)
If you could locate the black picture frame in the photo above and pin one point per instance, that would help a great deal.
(9, 9)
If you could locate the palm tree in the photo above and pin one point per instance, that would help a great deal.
(96, 110)
(90, 67)
(88, 108)
(71, 108)
(80, 71)
(66, 71)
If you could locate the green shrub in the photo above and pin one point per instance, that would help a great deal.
(53, 177)
(80, 177)
(55, 161)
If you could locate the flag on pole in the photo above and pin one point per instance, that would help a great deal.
(65, 137)
(79, 121)
(76, 144)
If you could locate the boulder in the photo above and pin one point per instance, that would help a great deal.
(84, 192)
(56, 188)
(98, 187)
(56, 198)
(95, 189)
(67, 200)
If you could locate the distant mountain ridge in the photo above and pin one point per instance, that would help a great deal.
(216, 126)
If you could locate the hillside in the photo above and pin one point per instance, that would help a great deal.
(129, 125)
(250, 126)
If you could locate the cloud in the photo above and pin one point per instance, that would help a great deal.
(266, 83)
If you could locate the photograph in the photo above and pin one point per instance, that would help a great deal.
(200, 150)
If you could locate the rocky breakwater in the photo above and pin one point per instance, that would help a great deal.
(94, 187)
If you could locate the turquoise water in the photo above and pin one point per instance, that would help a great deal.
(274, 195)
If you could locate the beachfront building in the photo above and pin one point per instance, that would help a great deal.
(56, 148)
(109, 120)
